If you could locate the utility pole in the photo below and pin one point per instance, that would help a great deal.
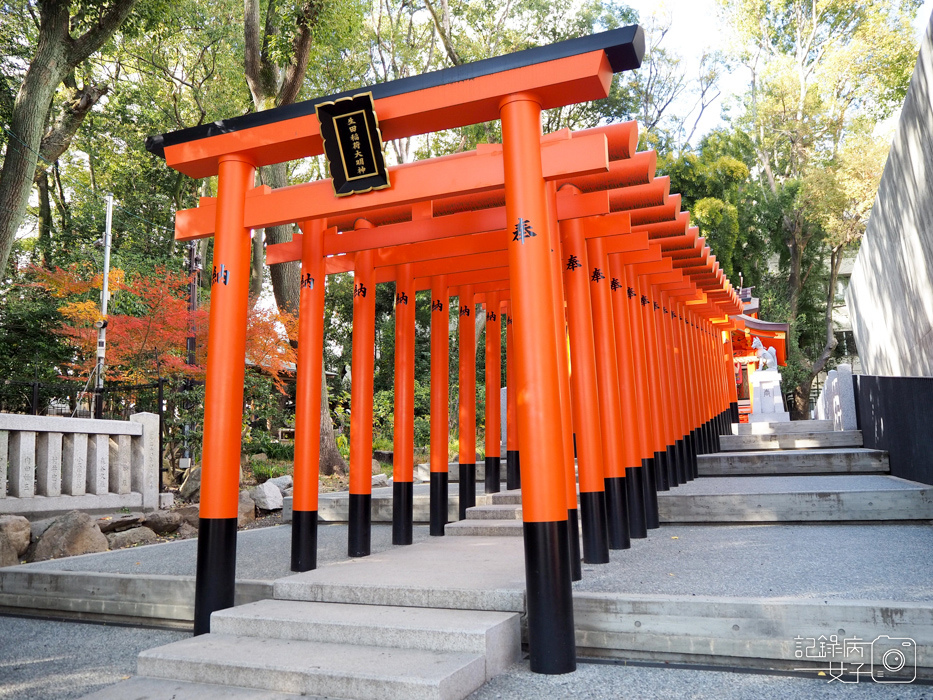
(102, 323)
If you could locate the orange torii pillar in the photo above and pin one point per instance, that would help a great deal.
(733, 389)
(513, 475)
(440, 347)
(641, 400)
(308, 397)
(617, 518)
(639, 502)
(684, 387)
(467, 405)
(493, 385)
(544, 503)
(223, 395)
(676, 390)
(361, 402)
(655, 396)
(662, 353)
(403, 437)
(585, 390)
(563, 370)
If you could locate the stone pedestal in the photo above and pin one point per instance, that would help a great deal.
(767, 401)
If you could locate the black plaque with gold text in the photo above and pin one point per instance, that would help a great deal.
(353, 145)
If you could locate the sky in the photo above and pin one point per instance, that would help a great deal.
(696, 26)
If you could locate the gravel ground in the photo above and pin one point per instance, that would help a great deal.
(263, 553)
(612, 682)
(43, 659)
(852, 562)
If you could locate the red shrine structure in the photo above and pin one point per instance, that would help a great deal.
(619, 319)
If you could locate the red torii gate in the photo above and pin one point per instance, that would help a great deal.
(513, 88)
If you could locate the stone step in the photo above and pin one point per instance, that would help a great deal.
(423, 471)
(750, 499)
(794, 426)
(504, 497)
(494, 635)
(485, 528)
(162, 689)
(773, 499)
(815, 461)
(316, 668)
(791, 441)
(495, 512)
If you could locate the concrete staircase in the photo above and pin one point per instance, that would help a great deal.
(343, 650)
(781, 473)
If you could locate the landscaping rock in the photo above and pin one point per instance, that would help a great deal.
(131, 538)
(163, 522)
(69, 535)
(287, 493)
(117, 523)
(16, 530)
(259, 457)
(185, 531)
(8, 556)
(38, 527)
(282, 482)
(377, 468)
(246, 511)
(191, 488)
(267, 496)
(380, 480)
(190, 514)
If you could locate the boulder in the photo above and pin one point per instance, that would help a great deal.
(377, 468)
(163, 522)
(8, 556)
(267, 496)
(38, 527)
(190, 514)
(246, 511)
(192, 485)
(132, 537)
(69, 535)
(283, 482)
(380, 480)
(287, 493)
(17, 531)
(259, 457)
(185, 531)
(116, 523)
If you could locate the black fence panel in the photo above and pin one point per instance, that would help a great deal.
(895, 414)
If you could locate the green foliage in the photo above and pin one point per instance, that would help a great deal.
(263, 471)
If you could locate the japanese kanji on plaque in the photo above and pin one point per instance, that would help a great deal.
(353, 145)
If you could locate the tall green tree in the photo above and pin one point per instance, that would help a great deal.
(819, 69)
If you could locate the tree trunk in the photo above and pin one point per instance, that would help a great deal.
(27, 126)
(285, 276)
(331, 460)
(44, 244)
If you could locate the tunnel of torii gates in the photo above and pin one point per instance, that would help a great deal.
(569, 238)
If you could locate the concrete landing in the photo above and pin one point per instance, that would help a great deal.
(486, 573)
(815, 461)
(791, 441)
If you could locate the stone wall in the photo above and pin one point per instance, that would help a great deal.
(50, 465)
(890, 296)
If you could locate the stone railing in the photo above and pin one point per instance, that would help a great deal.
(49, 465)
(837, 399)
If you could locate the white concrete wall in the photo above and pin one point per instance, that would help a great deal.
(50, 464)
(890, 296)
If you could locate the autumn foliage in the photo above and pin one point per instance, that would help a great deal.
(149, 324)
